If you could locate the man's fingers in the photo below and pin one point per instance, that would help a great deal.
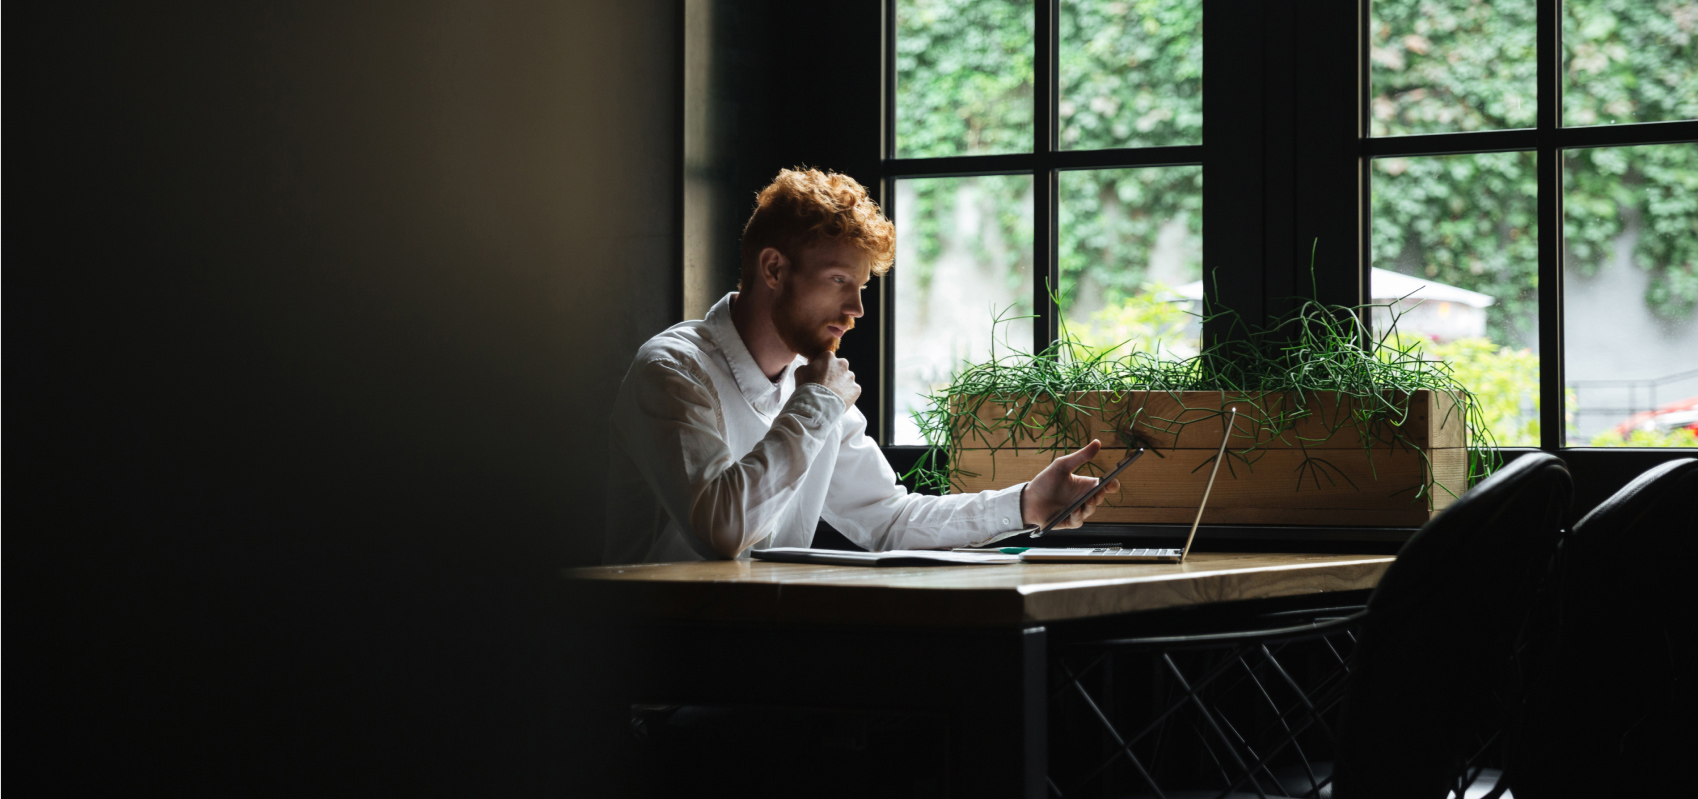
(1070, 462)
(1083, 483)
(816, 369)
(1074, 460)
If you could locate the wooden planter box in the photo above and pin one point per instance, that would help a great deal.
(1323, 470)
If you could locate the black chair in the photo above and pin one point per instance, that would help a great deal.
(1614, 717)
(1455, 633)
(1430, 676)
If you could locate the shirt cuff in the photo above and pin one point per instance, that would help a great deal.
(1005, 508)
(816, 404)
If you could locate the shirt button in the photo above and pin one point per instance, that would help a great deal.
(1005, 521)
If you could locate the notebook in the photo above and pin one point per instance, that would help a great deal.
(894, 557)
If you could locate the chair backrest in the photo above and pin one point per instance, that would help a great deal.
(1643, 532)
(1451, 633)
(1655, 497)
(1600, 723)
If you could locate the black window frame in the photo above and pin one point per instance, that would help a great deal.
(1267, 190)
(1044, 163)
(1547, 140)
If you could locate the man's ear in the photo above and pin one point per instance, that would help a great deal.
(771, 265)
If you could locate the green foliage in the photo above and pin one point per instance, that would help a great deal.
(1678, 437)
(1131, 76)
(1131, 73)
(963, 77)
(1504, 380)
(1608, 188)
(1450, 65)
(1469, 221)
(1005, 242)
(1109, 221)
(1314, 349)
(1439, 66)
(1629, 61)
(1143, 322)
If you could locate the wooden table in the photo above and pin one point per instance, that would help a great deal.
(969, 642)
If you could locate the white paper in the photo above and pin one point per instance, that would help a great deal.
(953, 557)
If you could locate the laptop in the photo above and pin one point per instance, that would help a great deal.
(1114, 553)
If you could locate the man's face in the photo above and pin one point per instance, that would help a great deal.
(819, 297)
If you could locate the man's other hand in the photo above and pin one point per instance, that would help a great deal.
(1057, 485)
(832, 372)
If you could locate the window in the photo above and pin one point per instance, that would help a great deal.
(1522, 196)
(1532, 193)
(1044, 168)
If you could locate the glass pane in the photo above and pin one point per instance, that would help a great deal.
(1131, 258)
(1630, 287)
(1629, 61)
(963, 260)
(1440, 66)
(1456, 263)
(963, 77)
(1131, 73)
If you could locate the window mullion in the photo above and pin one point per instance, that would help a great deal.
(1364, 171)
(1552, 419)
(886, 298)
(1234, 169)
(1045, 87)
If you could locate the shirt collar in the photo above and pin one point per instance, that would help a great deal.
(763, 394)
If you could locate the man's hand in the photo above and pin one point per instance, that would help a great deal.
(832, 372)
(1057, 485)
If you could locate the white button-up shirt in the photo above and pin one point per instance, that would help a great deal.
(711, 459)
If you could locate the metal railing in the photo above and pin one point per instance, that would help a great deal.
(1642, 395)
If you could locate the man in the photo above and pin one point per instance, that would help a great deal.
(740, 430)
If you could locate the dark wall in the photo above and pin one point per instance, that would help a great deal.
(775, 84)
(312, 315)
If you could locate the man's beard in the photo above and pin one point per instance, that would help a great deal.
(804, 336)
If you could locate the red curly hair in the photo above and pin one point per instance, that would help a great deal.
(802, 207)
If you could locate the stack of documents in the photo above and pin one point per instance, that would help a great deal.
(894, 557)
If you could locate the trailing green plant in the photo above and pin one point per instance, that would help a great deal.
(1046, 399)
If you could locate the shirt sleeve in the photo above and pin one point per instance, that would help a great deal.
(672, 427)
(869, 507)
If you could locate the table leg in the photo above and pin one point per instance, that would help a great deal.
(1000, 721)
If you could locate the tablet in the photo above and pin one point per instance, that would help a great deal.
(1086, 495)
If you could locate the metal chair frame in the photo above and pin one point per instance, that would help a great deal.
(1474, 729)
(1251, 660)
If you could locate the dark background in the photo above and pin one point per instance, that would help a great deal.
(313, 314)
